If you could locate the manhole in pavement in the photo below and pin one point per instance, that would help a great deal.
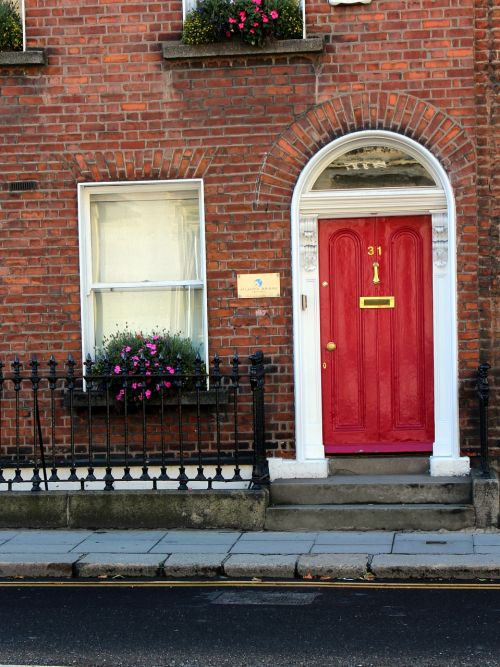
(271, 598)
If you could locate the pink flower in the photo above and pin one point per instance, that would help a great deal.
(147, 393)
(231, 20)
(274, 14)
(243, 15)
(265, 19)
(117, 369)
(171, 371)
(252, 31)
(167, 385)
(255, 24)
(120, 395)
(257, 2)
(155, 337)
(134, 385)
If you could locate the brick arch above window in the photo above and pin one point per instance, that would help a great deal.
(343, 114)
(153, 164)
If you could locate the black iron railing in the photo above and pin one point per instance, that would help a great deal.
(122, 424)
(483, 394)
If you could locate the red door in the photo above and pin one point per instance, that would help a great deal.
(376, 334)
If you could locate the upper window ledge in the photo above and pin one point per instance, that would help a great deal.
(30, 57)
(180, 51)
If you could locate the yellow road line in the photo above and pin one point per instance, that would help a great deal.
(248, 584)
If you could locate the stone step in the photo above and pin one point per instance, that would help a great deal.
(378, 465)
(359, 489)
(369, 517)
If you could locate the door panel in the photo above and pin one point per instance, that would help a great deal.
(378, 382)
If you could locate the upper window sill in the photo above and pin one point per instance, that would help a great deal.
(180, 51)
(30, 57)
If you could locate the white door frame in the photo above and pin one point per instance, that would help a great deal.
(307, 207)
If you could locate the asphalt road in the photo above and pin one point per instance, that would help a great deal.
(191, 626)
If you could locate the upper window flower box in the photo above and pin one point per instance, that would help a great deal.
(234, 28)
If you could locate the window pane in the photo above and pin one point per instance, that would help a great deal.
(374, 167)
(151, 237)
(174, 310)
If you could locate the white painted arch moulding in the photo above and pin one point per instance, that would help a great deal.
(307, 207)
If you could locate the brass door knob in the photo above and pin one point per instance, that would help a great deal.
(331, 346)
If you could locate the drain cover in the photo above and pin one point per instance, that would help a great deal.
(270, 598)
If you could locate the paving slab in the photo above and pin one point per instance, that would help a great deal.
(129, 534)
(14, 547)
(335, 566)
(437, 543)
(201, 536)
(351, 549)
(260, 565)
(177, 548)
(355, 537)
(273, 547)
(434, 566)
(449, 536)
(487, 549)
(125, 565)
(486, 538)
(115, 545)
(194, 565)
(39, 541)
(53, 534)
(263, 536)
(37, 565)
(8, 534)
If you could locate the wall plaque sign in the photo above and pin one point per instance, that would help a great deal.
(256, 285)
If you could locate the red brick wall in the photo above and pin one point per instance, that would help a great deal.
(487, 45)
(108, 108)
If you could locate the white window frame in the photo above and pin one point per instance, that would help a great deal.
(23, 17)
(88, 287)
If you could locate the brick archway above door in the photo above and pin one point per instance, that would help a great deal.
(404, 114)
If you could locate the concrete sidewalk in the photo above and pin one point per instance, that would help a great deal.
(234, 554)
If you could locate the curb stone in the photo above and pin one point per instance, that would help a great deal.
(335, 566)
(194, 565)
(434, 566)
(40, 565)
(116, 565)
(261, 565)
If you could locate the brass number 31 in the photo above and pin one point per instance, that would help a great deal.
(372, 249)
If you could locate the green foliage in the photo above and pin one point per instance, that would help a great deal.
(198, 30)
(289, 25)
(156, 354)
(11, 27)
(250, 21)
